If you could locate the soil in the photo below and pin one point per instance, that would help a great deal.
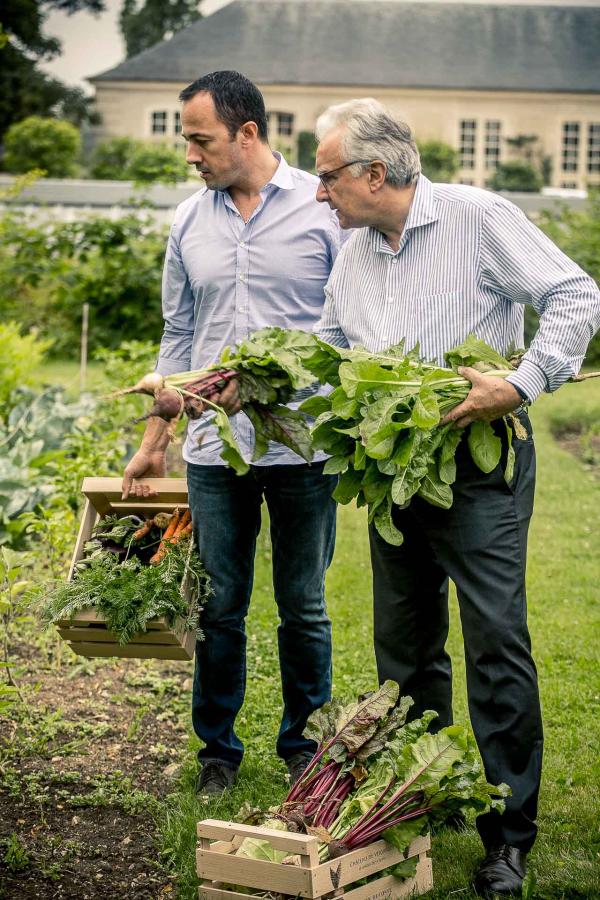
(97, 734)
(588, 454)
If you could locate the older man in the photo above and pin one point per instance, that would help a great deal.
(250, 249)
(431, 263)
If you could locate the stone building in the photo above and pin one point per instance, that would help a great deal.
(472, 75)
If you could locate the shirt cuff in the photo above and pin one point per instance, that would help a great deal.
(529, 379)
(166, 365)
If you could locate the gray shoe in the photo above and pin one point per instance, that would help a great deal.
(296, 766)
(214, 779)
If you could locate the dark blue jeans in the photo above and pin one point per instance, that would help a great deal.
(226, 514)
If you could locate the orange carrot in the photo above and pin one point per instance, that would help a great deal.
(143, 530)
(167, 534)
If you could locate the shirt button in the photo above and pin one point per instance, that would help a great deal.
(390, 299)
(242, 243)
(385, 338)
(243, 309)
(242, 277)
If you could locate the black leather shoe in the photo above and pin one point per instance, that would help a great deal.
(296, 766)
(214, 779)
(501, 872)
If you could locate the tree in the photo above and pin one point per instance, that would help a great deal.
(24, 89)
(439, 161)
(157, 162)
(516, 176)
(154, 21)
(42, 143)
(111, 159)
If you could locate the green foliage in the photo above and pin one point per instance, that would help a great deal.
(25, 89)
(111, 159)
(307, 150)
(577, 233)
(144, 23)
(381, 427)
(16, 857)
(128, 591)
(516, 175)
(21, 353)
(157, 162)
(439, 161)
(43, 143)
(48, 272)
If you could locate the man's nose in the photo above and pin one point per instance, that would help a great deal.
(322, 195)
(192, 156)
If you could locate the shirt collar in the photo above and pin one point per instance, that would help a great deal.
(422, 212)
(282, 177)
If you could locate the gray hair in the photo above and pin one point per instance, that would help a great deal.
(370, 132)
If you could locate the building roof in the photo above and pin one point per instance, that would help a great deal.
(383, 44)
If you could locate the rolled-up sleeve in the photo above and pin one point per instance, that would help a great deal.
(521, 263)
(178, 312)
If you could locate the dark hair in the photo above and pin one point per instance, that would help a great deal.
(236, 100)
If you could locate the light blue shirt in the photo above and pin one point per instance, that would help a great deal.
(467, 262)
(224, 279)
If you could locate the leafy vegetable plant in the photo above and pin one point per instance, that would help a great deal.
(120, 577)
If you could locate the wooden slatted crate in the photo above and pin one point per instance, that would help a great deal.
(218, 867)
(86, 631)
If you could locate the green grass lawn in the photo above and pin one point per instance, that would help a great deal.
(564, 590)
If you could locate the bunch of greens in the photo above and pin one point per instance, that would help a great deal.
(381, 426)
(115, 578)
(375, 776)
(269, 368)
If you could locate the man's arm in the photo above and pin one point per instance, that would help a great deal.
(150, 461)
(520, 262)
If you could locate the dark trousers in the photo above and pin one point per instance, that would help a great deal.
(226, 514)
(481, 544)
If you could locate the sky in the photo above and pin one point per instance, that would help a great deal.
(92, 44)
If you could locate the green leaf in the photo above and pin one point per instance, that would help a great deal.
(385, 526)
(446, 456)
(426, 412)
(509, 469)
(348, 486)
(316, 405)
(485, 446)
(360, 721)
(284, 425)
(231, 452)
(335, 465)
(401, 837)
(434, 490)
(476, 353)
(357, 378)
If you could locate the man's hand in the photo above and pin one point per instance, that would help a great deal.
(145, 464)
(229, 398)
(489, 399)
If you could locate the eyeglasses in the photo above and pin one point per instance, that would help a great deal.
(324, 176)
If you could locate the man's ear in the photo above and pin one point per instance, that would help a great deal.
(248, 132)
(377, 173)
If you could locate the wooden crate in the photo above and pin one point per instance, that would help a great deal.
(86, 631)
(217, 866)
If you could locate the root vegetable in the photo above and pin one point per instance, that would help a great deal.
(168, 405)
(145, 529)
(151, 384)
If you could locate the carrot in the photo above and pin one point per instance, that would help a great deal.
(143, 530)
(181, 532)
(167, 534)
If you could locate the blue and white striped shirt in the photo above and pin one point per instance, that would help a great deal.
(467, 262)
(224, 279)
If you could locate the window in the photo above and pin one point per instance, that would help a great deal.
(492, 143)
(468, 130)
(570, 146)
(569, 185)
(177, 122)
(285, 124)
(159, 122)
(593, 152)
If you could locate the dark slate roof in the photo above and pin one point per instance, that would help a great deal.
(383, 44)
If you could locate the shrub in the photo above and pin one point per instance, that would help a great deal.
(21, 353)
(111, 159)
(516, 176)
(47, 273)
(439, 161)
(307, 150)
(157, 162)
(43, 143)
